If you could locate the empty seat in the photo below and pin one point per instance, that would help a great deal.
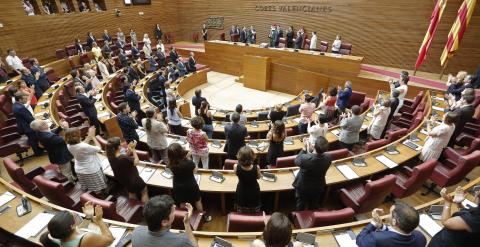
(395, 135)
(472, 146)
(262, 116)
(454, 167)
(293, 110)
(356, 98)
(228, 165)
(318, 218)
(67, 196)
(122, 209)
(239, 222)
(409, 180)
(60, 54)
(339, 154)
(363, 198)
(372, 145)
(345, 49)
(288, 161)
(323, 46)
(196, 221)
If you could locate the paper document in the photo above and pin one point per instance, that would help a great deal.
(35, 225)
(140, 133)
(438, 98)
(117, 233)
(386, 161)
(347, 171)
(436, 108)
(6, 197)
(103, 114)
(197, 178)
(295, 173)
(105, 163)
(364, 126)
(345, 240)
(336, 132)
(429, 225)
(147, 173)
(468, 204)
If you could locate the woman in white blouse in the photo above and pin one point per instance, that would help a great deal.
(402, 88)
(438, 137)
(102, 66)
(379, 121)
(337, 43)
(156, 135)
(319, 129)
(146, 40)
(87, 163)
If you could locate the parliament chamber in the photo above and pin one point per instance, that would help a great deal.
(198, 109)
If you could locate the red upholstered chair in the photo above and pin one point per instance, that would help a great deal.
(305, 37)
(73, 64)
(143, 155)
(418, 119)
(222, 36)
(396, 134)
(228, 165)
(372, 145)
(239, 222)
(454, 167)
(345, 49)
(71, 50)
(410, 105)
(287, 161)
(366, 105)
(86, 47)
(100, 42)
(408, 117)
(363, 198)
(26, 63)
(66, 196)
(84, 58)
(123, 209)
(13, 143)
(323, 46)
(472, 146)
(318, 218)
(339, 154)
(306, 44)
(357, 98)
(282, 42)
(293, 110)
(60, 54)
(24, 181)
(196, 221)
(409, 180)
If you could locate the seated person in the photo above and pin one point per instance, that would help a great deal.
(277, 232)
(182, 70)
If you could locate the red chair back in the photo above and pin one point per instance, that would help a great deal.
(345, 49)
(102, 141)
(327, 218)
(228, 165)
(372, 145)
(466, 164)
(357, 98)
(196, 220)
(288, 161)
(339, 154)
(7, 104)
(54, 192)
(418, 119)
(419, 175)
(375, 193)
(18, 176)
(238, 222)
(109, 207)
(395, 135)
(323, 46)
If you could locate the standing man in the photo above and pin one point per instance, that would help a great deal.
(310, 182)
(272, 36)
(87, 102)
(55, 146)
(464, 114)
(31, 79)
(43, 79)
(90, 39)
(197, 100)
(344, 95)
(313, 41)
(350, 128)
(127, 123)
(252, 35)
(235, 135)
(133, 100)
(205, 32)
(106, 37)
(173, 55)
(24, 118)
(289, 39)
(299, 40)
(158, 32)
(233, 33)
(243, 35)
(279, 35)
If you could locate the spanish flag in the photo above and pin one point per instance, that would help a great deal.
(434, 20)
(456, 33)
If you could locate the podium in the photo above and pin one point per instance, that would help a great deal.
(256, 72)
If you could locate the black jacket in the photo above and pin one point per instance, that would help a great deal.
(87, 104)
(56, 147)
(24, 118)
(311, 177)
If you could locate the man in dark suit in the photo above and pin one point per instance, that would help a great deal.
(191, 63)
(55, 146)
(133, 100)
(310, 182)
(243, 35)
(31, 79)
(393, 106)
(464, 114)
(87, 102)
(233, 33)
(197, 100)
(400, 233)
(24, 117)
(90, 39)
(289, 39)
(299, 40)
(173, 55)
(106, 36)
(344, 95)
(122, 57)
(161, 58)
(279, 35)
(132, 74)
(43, 81)
(127, 123)
(455, 88)
(158, 32)
(235, 135)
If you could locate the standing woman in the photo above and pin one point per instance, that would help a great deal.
(290, 34)
(146, 40)
(158, 32)
(277, 113)
(88, 166)
(207, 118)
(133, 36)
(402, 88)
(247, 195)
(380, 118)
(306, 111)
(30, 91)
(205, 32)
(156, 138)
(174, 118)
(198, 142)
(123, 164)
(438, 137)
(276, 136)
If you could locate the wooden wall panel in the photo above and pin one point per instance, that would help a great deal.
(39, 36)
(385, 32)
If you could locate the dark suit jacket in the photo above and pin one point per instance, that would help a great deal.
(107, 37)
(133, 100)
(393, 106)
(456, 90)
(24, 118)
(343, 97)
(135, 52)
(235, 135)
(128, 127)
(55, 146)
(158, 33)
(90, 41)
(79, 47)
(370, 237)
(123, 59)
(191, 64)
(132, 74)
(197, 102)
(30, 80)
(173, 56)
(289, 38)
(464, 115)
(88, 105)
(243, 36)
(311, 177)
(299, 42)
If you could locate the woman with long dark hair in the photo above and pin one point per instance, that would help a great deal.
(185, 187)
(207, 118)
(63, 229)
(123, 164)
(156, 138)
(174, 118)
(276, 136)
(247, 195)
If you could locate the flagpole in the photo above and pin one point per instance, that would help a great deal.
(414, 71)
(444, 67)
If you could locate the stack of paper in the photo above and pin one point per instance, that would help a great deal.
(429, 225)
(141, 133)
(35, 225)
(117, 233)
(336, 132)
(436, 108)
(147, 173)
(6, 197)
(347, 171)
(345, 240)
(197, 178)
(103, 114)
(386, 161)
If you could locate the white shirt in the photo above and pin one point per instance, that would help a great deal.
(147, 41)
(14, 62)
(317, 131)
(86, 158)
(313, 42)
(103, 70)
(161, 47)
(336, 45)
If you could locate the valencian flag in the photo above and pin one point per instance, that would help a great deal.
(456, 33)
(434, 20)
